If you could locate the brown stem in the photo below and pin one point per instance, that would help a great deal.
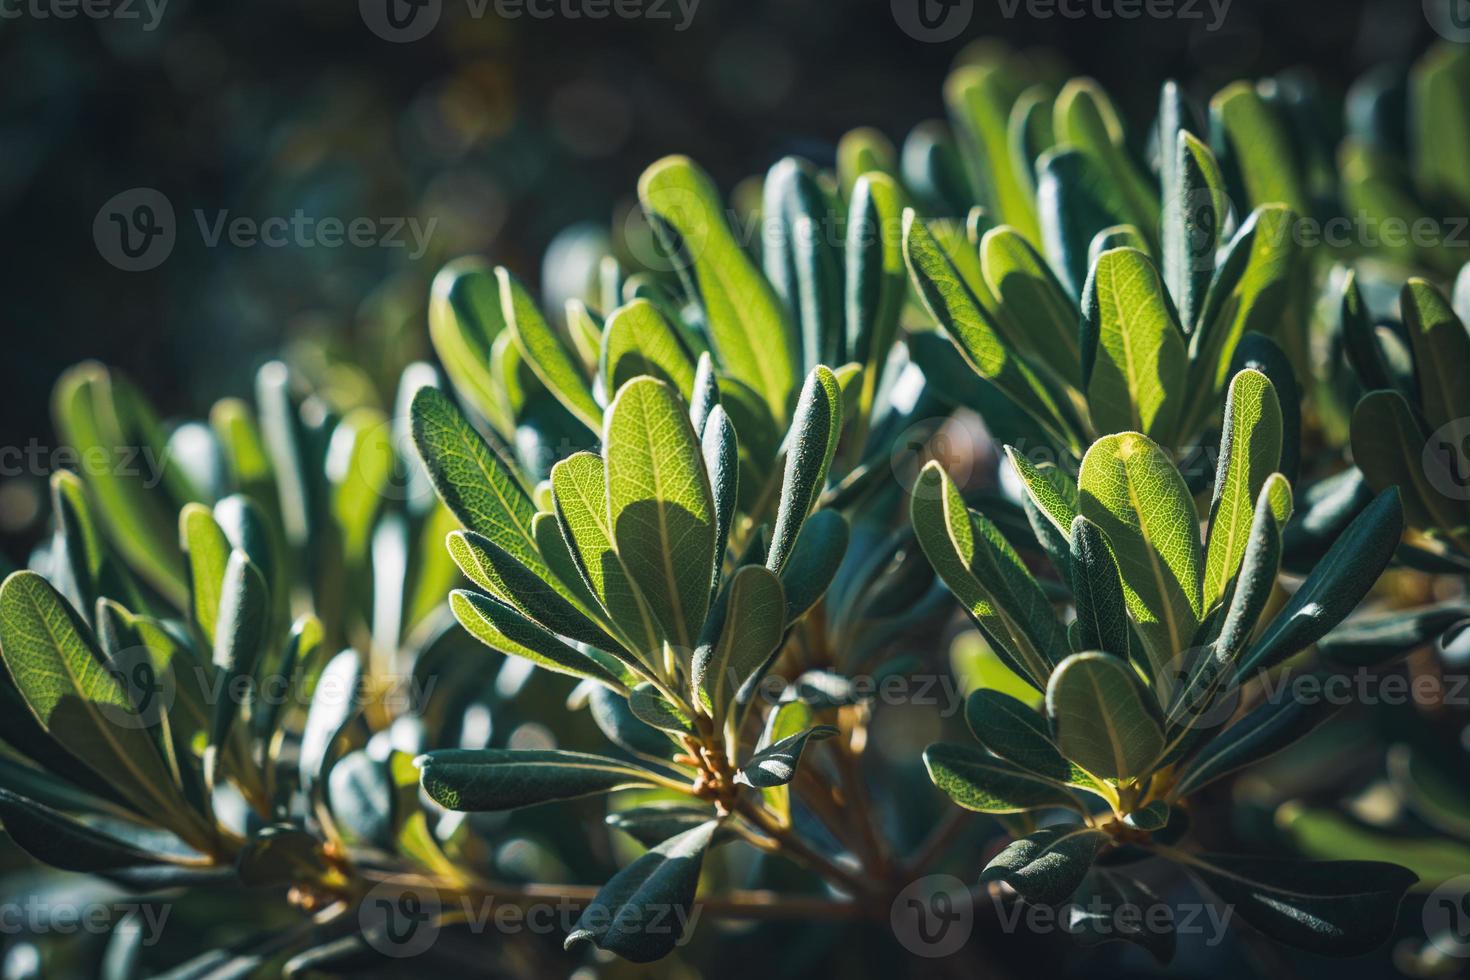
(793, 846)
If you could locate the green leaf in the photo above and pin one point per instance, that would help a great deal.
(815, 429)
(1112, 907)
(478, 780)
(1132, 492)
(545, 351)
(651, 708)
(239, 638)
(334, 704)
(475, 483)
(1248, 294)
(954, 307)
(1077, 201)
(1259, 146)
(493, 569)
(1097, 588)
(876, 279)
(1263, 732)
(641, 913)
(1196, 210)
(660, 504)
(1046, 867)
(1387, 443)
(1250, 451)
(862, 151)
(1042, 316)
(1441, 347)
(69, 844)
(1014, 731)
(986, 575)
(987, 784)
(637, 340)
(1338, 583)
(746, 321)
(979, 101)
(775, 765)
(1372, 641)
(754, 624)
(1086, 120)
(706, 393)
(721, 453)
(207, 551)
(1320, 832)
(502, 628)
(801, 260)
(1051, 489)
(1335, 908)
(464, 320)
(819, 552)
(579, 492)
(1102, 716)
(360, 463)
(360, 795)
(1133, 353)
(62, 676)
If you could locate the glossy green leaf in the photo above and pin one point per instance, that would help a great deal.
(819, 552)
(637, 339)
(1102, 716)
(1259, 146)
(746, 321)
(1042, 317)
(1132, 492)
(641, 913)
(1086, 120)
(721, 454)
(815, 428)
(1133, 353)
(502, 628)
(875, 276)
(980, 104)
(545, 351)
(1250, 451)
(1195, 213)
(660, 505)
(1097, 588)
(987, 784)
(1263, 732)
(1046, 867)
(775, 765)
(239, 639)
(754, 623)
(477, 780)
(651, 708)
(464, 319)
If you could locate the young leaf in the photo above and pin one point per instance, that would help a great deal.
(207, 551)
(1133, 356)
(1014, 731)
(721, 454)
(1250, 451)
(478, 780)
(639, 340)
(1047, 866)
(1441, 347)
(660, 505)
(1132, 492)
(1263, 732)
(815, 429)
(545, 351)
(1195, 212)
(60, 673)
(334, 703)
(954, 307)
(775, 765)
(1258, 145)
(501, 628)
(651, 708)
(754, 623)
(1102, 716)
(819, 552)
(464, 320)
(641, 912)
(1042, 314)
(1102, 611)
(745, 318)
(987, 784)
(244, 613)
(876, 280)
(479, 487)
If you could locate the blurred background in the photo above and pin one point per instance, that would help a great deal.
(486, 135)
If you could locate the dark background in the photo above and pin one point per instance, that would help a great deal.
(505, 130)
